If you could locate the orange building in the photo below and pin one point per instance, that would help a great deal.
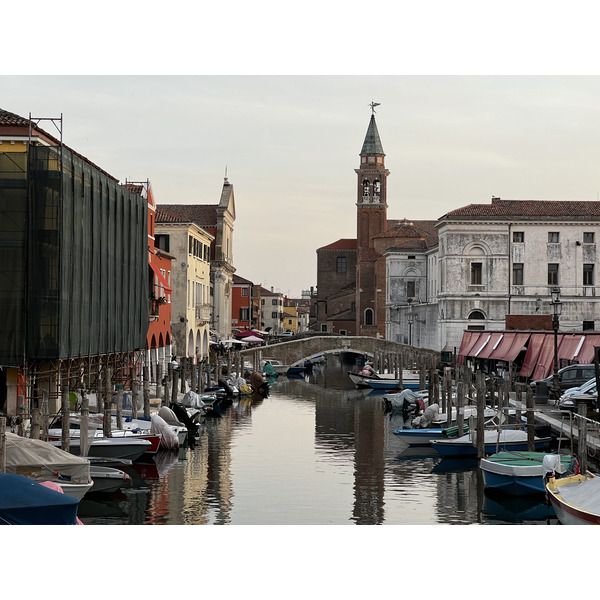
(158, 338)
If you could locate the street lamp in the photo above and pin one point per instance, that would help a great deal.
(556, 310)
(409, 320)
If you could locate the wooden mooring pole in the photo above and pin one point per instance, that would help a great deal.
(2, 444)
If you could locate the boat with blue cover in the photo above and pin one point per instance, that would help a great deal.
(25, 502)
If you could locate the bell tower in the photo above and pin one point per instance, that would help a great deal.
(371, 211)
(372, 187)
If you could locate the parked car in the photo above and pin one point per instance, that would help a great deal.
(568, 401)
(568, 377)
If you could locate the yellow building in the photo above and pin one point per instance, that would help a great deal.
(290, 319)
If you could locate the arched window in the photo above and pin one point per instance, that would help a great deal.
(376, 191)
(365, 191)
(476, 314)
(369, 316)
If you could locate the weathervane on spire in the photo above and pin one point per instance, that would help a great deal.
(373, 105)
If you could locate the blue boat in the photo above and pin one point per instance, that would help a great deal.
(298, 370)
(508, 439)
(25, 502)
(521, 473)
(392, 384)
(424, 437)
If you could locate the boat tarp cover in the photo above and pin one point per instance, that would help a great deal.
(25, 502)
(585, 495)
(523, 464)
(42, 461)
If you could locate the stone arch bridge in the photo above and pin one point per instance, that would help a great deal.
(298, 350)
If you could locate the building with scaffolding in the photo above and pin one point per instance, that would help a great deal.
(73, 270)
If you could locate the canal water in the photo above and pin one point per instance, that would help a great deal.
(315, 452)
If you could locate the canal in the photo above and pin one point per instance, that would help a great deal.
(315, 452)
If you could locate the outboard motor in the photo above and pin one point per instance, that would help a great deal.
(182, 414)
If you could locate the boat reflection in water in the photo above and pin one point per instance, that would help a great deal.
(316, 451)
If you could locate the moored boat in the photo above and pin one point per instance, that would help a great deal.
(25, 502)
(108, 479)
(424, 437)
(507, 439)
(575, 499)
(42, 461)
(519, 473)
(129, 448)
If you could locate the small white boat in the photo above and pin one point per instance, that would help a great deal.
(575, 499)
(43, 462)
(507, 439)
(130, 448)
(108, 479)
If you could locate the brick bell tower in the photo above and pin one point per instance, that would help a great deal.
(371, 210)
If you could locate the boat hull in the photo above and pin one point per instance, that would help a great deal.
(126, 448)
(453, 448)
(517, 474)
(560, 493)
(420, 437)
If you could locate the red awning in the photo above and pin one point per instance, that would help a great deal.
(509, 346)
(161, 278)
(569, 345)
(493, 339)
(533, 351)
(545, 360)
(586, 354)
(468, 341)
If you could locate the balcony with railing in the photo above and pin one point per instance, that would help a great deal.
(203, 313)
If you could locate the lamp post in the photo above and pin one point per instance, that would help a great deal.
(409, 320)
(556, 310)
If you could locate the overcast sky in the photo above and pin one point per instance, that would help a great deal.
(290, 145)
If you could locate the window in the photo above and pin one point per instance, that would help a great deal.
(244, 291)
(161, 240)
(244, 314)
(552, 273)
(588, 326)
(588, 274)
(343, 332)
(588, 237)
(518, 237)
(410, 289)
(274, 302)
(369, 316)
(274, 315)
(476, 314)
(476, 269)
(323, 327)
(340, 264)
(553, 237)
(517, 273)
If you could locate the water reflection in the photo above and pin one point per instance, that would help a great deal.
(316, 451)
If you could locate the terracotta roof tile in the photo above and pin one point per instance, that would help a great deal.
(343, 244)
(528, 208)
(203, 215)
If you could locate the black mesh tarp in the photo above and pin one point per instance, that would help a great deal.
(78, 284)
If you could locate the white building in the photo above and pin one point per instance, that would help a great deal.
(190, 283)
(490, 261)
